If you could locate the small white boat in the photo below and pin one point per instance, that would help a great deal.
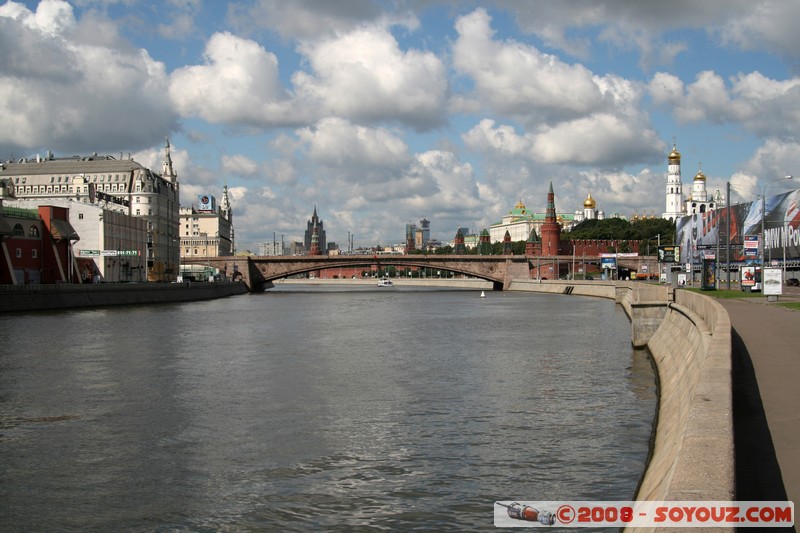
(483, 294)
(385, 282)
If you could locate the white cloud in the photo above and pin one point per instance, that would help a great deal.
(517, 79)
(239, 83)
(503, 139)
(666, 89)
(455, 183)
(364, 76)
(308, 20)
(573, 116)
(598, 139)
(58, 91)
(760, 104)
(335, 142)
(767, 24)
(774, 159)
(240, 165)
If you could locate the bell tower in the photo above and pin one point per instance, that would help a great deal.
(674, 194)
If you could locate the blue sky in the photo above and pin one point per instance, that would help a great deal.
(382, 113)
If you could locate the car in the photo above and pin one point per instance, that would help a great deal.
(793, 282)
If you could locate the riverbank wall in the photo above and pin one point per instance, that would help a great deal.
(689, 337)
(19, 298)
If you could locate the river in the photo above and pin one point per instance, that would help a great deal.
(318, 408)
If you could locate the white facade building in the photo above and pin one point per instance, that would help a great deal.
(699, 202)
(118, 185)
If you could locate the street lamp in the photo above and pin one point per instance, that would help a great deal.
(763, 216)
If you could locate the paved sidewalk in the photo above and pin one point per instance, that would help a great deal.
(766, 383)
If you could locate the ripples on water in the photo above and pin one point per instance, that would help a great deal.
(298, 410)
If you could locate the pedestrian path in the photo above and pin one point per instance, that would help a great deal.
(766, 377)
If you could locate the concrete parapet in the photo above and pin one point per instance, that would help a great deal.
(692, 456)
(17, 298)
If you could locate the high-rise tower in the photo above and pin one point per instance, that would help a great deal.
(674, 194)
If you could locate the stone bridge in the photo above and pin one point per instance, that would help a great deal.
(259, 271)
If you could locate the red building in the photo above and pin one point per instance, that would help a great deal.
(550, 245)
(36, 246)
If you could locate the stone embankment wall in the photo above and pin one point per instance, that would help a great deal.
(16, 298)
(692, 456)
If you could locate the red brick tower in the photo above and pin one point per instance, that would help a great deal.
(315, 242)
(551, 229)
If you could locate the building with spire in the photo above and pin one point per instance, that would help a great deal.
(122, 186)
(206, 230)
(698, 200)
(674, 194)
(551, 229)
(315, 222)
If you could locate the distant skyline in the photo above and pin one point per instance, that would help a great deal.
(382, 113)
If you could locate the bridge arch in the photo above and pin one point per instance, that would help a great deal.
(259, 271)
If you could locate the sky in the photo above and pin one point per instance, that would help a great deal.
(381, 113)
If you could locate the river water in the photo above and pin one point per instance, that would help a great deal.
(301, 409)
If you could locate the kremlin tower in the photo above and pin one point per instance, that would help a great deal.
(551, 229)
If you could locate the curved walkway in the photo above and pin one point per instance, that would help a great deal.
(766, 399)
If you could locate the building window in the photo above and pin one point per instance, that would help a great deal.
(33, 232)
(138, 211)
(33, 253)
(18, 231)
(80, 216)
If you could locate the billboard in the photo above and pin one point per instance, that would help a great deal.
(669, 254)
(206, 202)
(773, 282)
(709, 229)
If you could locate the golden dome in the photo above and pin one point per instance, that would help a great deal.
(675, 155)
(589, 203)
(700, 176)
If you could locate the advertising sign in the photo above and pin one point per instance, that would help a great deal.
(107, 253)
(773, 284)
(669, 254)
(781, 220)
(709, 277)
(206, 202)
(609, 262)
(748, 276)
(751, 244)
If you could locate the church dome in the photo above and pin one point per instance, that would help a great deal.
(589, 203)
(674, 155)
(519, 209)
(700, 176)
